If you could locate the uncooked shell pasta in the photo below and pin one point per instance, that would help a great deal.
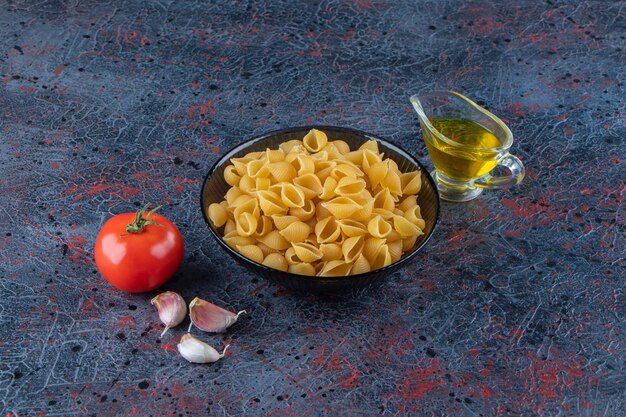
(316, 207)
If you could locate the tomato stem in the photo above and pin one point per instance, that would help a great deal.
(140, 221)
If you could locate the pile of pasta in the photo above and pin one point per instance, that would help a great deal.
(316, 207)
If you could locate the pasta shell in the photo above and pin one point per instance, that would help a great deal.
(274, 155)
(363, 197)
(309, 184)
(250, 206)
(258, 169)
(255, 155)
(302, 269)
(385, 214)
(241, 164)
(276, 261)
(274, 240)
(307, 252)
(360, 266)
(271, 203)
(341, 207)
(384, 200)
(315, 140)
(331, 251)
(341, 146)
(305, 212)
(298, 150)
(352, 228)
(364, 213)
(303, 164)
(266, 249)
(335, 269)
(382, 258)
(321, 156)
(327, 230)
(291, 257)
(393, 236)
(371, 247)
(395, 250)
(217, 214)
(233, 234)
(411, 182)
(392, 182)
(345, 169)
(356, 157)
(368, 159)
(282, 221)
(264, 226)
(378, 227)
(243, 199)
(312, 238)
(231, 176)
(408, 243)
(407, 203)
(296, 232)
(333, 152)
(262, 184)
(405, 227)
(282, 171)
(414, 215)
(246, 224)
(286, 147)
(328, 190)
(348, 186)
(292, 196)
(292, 156)
(230, 226)
(232, 194)
(352, 248)
(247, 184)
(233, 240)
(321, 212)
(370, 145)
(312, 222)
(318, 266)
(393, 166)
(276, 188)
(252, 252)
(378, 172)
(323, 169)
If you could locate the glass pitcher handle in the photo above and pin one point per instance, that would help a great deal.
(513, 164)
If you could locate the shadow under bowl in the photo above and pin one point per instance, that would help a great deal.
(215, 187)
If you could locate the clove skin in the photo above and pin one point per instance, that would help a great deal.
(211, 318)
(196, 351)
(171, 307)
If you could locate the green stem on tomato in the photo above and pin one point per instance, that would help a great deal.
(140, 221)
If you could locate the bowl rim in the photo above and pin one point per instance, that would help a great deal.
(355, 277)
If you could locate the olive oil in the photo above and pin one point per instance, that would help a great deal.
(471, 154)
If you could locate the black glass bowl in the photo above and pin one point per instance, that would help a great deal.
(215, 187)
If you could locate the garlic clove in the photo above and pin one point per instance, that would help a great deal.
(196, 351)
(211, 318)
(171, 307)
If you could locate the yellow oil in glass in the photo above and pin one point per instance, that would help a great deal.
(472, 156)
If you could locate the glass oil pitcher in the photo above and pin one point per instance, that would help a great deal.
(466, 143)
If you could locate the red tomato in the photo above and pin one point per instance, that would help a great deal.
(138, 252)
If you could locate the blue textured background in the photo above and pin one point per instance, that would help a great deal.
(516, 307)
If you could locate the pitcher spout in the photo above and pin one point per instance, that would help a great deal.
(416, 101)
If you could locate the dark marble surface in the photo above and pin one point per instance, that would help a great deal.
(516, 307)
